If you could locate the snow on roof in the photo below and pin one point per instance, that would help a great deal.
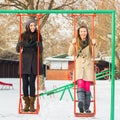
(63, 57)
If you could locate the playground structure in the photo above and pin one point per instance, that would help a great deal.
(112, 12)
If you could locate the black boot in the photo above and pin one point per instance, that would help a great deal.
(87, 102)
(80, 106)
(81, 99)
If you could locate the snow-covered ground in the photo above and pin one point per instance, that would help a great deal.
(51, 108)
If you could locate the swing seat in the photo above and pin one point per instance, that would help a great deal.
(21, 106)
(84, 114)
(92, 114)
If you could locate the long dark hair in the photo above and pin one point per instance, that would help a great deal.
(28, 35)
(79, 42)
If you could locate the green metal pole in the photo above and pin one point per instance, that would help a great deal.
(57, 11)
(113, 67)
(62, 94)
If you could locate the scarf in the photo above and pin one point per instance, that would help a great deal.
(84, 45)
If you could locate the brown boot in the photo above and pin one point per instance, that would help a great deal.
(32, 101)
(27, 104)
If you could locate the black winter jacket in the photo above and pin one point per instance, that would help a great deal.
(30, 46)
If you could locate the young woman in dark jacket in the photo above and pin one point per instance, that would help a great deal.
(29, 46)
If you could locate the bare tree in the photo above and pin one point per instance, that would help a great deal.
(102, 22)
(37, 4)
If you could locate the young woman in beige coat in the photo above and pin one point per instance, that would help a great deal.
(84, 73)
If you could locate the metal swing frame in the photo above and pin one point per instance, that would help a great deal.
(78, 114)
(20, 67)
(113, 33)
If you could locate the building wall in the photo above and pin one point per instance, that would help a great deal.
(9, 69)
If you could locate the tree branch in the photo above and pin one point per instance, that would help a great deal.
(5, 5)
(47, 15)
(15, 3)
(64, 5)
(51, 4)
(37, 5)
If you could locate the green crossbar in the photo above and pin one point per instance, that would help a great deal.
(100, 73)
(57, 11)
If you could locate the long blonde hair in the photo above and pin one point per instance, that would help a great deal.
(79, 40)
